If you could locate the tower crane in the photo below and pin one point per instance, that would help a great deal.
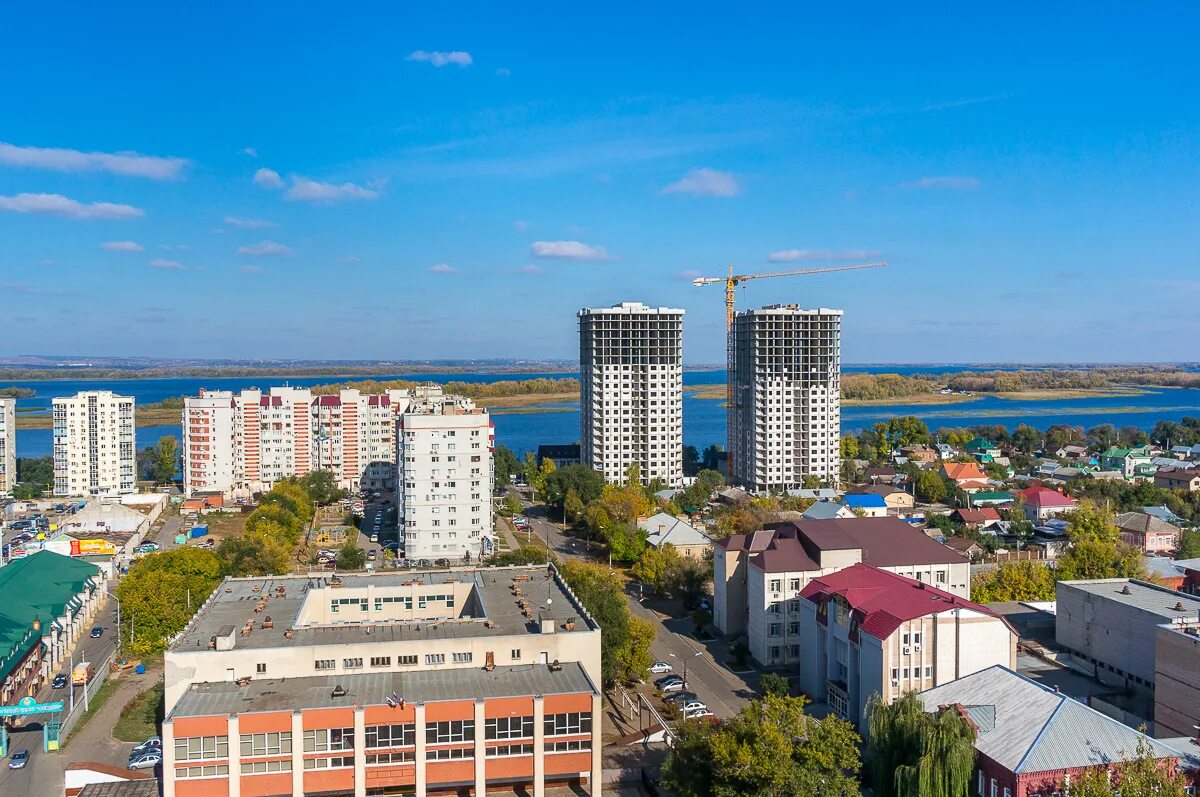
(731, 283)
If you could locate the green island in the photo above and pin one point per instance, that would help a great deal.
(17, 392)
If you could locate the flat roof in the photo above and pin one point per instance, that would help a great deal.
(234, 601)
(373, 689)
(1147, 597)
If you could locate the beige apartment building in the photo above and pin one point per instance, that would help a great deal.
(95, 446)
(8, 444)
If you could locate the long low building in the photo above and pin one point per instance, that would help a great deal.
(426, 683)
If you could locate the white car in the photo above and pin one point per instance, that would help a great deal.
(698, 714)
(693, 705)
(659, 667)
(146, 761)
(672, 686)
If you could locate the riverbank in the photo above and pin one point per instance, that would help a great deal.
(148, 415)
(716, 392)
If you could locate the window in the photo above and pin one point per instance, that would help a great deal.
(259, 767)
(895, 673)
(352, 664)
(394, 757)
(503, 750)
(905, 639)
(327, 740)
(515, 654)
(197, 748)
(508, 728)
(793, 585)
(571, 746)
(564, 724)
(329, 763)
(776, 584)
(994, 787)
(325, 664)
(435, 658)
(774, 651)
(980, 783)
(451, 731)
(928, 672)
(449, 754)
(256, 744)
(916, 637)
(390, 735)
(214, 771)
(462, 658)
(406, 660)
(773, 629)
(381, 661)
(260, 668)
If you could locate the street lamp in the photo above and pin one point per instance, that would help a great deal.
(685, 660)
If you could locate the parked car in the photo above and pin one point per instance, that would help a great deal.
(375, 536)
(442, 563)
(666, 679)
(60, 681)
(660, 667)
(680, 698)
(371, 553)
(147, 760)
(699, 714)
(96, 633)
(672, 686)
(19, 759)
(692, 705)
(154, 743)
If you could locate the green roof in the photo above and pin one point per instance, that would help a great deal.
(1117, 453)
(992, 496)
(36, 587)
(981, 443)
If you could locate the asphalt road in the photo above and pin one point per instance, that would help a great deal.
(166, 535)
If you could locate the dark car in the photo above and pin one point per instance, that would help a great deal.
(442, 563)
(97, 632)
(60, 681)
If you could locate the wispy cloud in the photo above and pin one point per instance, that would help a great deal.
(952, 182)
(443, 268)
(520, 225)
(568, 250)
(268, 178)
(250, 152)
(167, 265)
(349, 260)
(503, 72)
(265, 248)
(531, 268)
(688, 274)
(249, 224)
(307, 190)
(122, 246)
(704, 182)
(130, 164)
(808, 255)
(440, 58)
(26, 289)
(249, 269)
(59, 205)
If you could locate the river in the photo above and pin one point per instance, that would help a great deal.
(703, 419)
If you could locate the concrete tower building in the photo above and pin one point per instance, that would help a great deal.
(94, 446)
(631, 391)
(785, 416)
(8, 444)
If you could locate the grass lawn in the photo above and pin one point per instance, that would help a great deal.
(140, 717)
(97, 702)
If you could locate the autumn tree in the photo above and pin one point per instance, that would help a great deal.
(653, 567)
(930, 486)
(160, 594)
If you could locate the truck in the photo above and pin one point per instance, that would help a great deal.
(82, 673)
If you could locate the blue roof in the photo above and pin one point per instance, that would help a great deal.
(865, 501)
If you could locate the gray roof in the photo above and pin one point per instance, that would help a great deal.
(147, 787)
(824, 510)
(1036, 729)
(1143, 522)
(1163, 513)
(1141, 595)
(820, 493)
(664, 529)
(373, 689)
(1162, 566)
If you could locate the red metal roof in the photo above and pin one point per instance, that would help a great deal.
(960, 471)
(977, 515)
(1044, 496)
(379, 401)
(882, 601)
(883, 541)
(328, 401)
(271, 401)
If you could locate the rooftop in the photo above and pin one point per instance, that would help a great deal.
(374, 689)
(1141, 595)
(1044, 496)
(40, 587)
(484, 604)
(664, 529)
(1143, 523)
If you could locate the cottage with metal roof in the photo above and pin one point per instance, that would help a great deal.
(663, 529)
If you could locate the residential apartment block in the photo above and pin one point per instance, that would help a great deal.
(8, 444)
(631, 391)
(245, 442)
(448, 682)
(758, 578)
(785, 414)
(868, 631)
(444, 476)
(94, 444)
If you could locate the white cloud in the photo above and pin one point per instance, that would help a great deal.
(503, 72)
(959, 183)
(122, 246)
(59, 205)
(248, 269)
(167, 265)
(130, 164)
(305, 190)
(568, 250)
(268, 178)
(263, 248)
(532, 268)
(520, 225)
(806, 255)
(704, 182)
(249, 224)
(439, 58)
(688, 274)
(443, 268)
(349, 260)
(250, 152)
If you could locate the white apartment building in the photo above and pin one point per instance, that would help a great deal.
(8, 444)
(94, 444)
(631, 391)
(785, 417)
(245, 442)
(443, 475)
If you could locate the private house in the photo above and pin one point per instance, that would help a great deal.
(816, 493)
(1125, 460)
(827, 510)
(991, 498)
(663, 529)
(866, 504)
(963, 472)
(880, 475)
(965, 546)
(732, 496)
(1032, 739)
(922, 455)
(982, 449)
(1147, 533)
(1163, 513)
(868, 631)
(975, 518)
(944, 451)
(897, 500)
(1071, 452)
(1183, 479)
(757, 578)
(1042, 503)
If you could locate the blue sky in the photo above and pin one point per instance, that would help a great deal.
(457, 179)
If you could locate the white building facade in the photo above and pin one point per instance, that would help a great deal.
(631, 391)
(785, 415)
(8, 444)
(444, 475)
(94, 444)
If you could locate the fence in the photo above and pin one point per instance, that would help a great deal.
(101, 675)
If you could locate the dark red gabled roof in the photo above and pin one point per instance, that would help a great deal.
(328, 401)
(1044, 496)
(271, 401)
(882, 601)
(379, 401)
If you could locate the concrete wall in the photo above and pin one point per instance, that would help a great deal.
(1176, 681)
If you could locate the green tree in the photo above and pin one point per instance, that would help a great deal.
(525, 555)
(160, 594)
(1027, 439)
(774, 684)
(321, 486)
(1091, 522)
(633, 475)
(529, 470)
(601, 595)
(897, 433)
(505, 465)
(653, 567)
(918, 754)
(1014, 581)
(687, 579)
(290, 495)
(930, 486)
(626, 543)
(633, 656)
(849, 446)
(587, 484)
(1189, 545)
(251, 556)
(511, 506)
(710, 459)
(770, 749)
(165, 459)
(350, 556)
(544, 472)
(572, 506)
(278, 520)
(1144, 775)
(691, 461)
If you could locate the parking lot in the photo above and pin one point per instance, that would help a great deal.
(27, 523)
